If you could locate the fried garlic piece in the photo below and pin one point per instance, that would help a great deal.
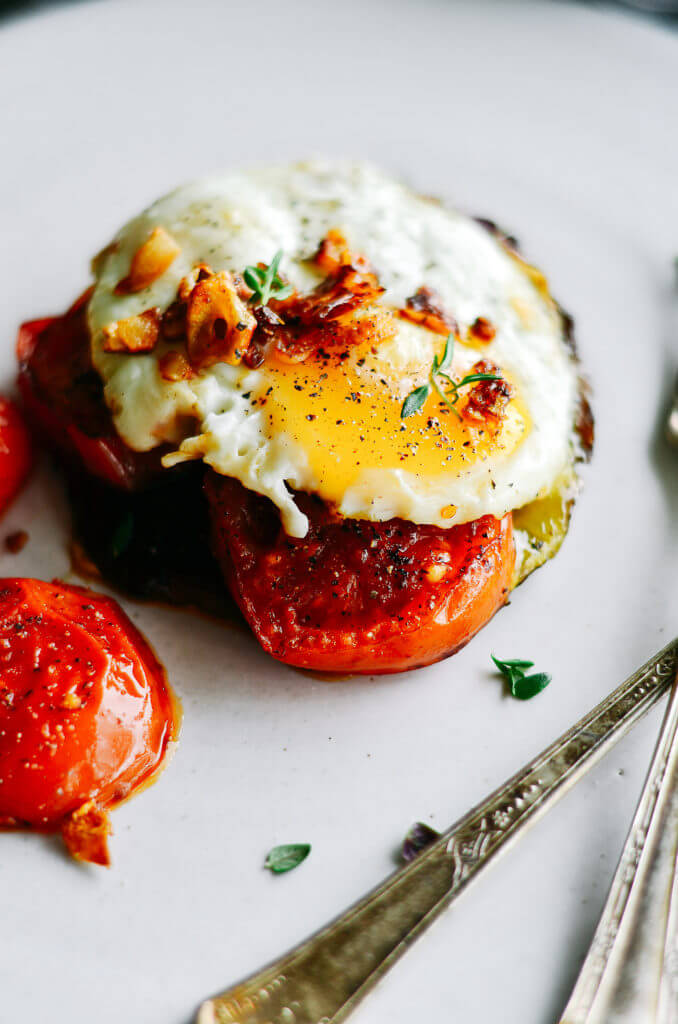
(133, 334)
(219, 325)
(149, 262)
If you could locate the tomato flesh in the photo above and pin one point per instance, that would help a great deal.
(63, 398)
(16, 455)
(85, 709)
(358, 596)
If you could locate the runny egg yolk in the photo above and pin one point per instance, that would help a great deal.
(342, 407)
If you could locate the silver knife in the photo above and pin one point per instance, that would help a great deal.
(323, 979)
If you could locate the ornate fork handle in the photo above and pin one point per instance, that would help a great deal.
(323, 979)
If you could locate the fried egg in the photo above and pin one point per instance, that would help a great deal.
(332, 423)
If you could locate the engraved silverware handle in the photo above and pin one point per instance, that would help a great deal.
(324, 978)
(630, 973)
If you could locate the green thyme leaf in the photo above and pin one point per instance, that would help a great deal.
(448, 352)
(449, 393)
(414, 401)
(265, 282)
(505, 666)
(286, 857)
(253, 278)
(471, 378)
(272, 271)
(525, 687)
(122, 536)
(522, 686)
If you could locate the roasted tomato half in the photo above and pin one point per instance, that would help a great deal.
(357, 596)
(352, 596)
(86, 713)
(15, 452)
(63, 398)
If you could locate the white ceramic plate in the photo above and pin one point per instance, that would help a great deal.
(555, 120)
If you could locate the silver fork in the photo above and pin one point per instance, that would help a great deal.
(324, 978)
(631, 971)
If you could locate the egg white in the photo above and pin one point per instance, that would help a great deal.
(240, 219)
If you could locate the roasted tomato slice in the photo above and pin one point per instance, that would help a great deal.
(85, 710)
(15, 452)
(356, 596)
(63, 397)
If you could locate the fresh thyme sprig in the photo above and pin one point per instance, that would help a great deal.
(521, 685)
(450, 391)
(265, 282)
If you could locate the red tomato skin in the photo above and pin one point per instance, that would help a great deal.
(16, 452)
(85, 709)
(353, 596)
(60, 342)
